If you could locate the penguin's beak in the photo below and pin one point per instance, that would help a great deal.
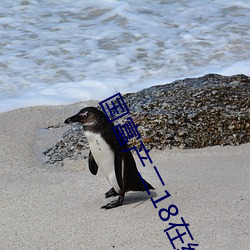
(74, 118)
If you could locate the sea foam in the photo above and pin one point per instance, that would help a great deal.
(63, 52)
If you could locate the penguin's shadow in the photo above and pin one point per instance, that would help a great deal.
(137, 198)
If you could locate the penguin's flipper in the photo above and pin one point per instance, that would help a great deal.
(110, 193)
(93, 167)
(118, 166)
(113, 204)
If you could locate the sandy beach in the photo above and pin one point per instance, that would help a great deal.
(46, 206)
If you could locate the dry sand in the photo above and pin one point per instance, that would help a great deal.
(58, 206)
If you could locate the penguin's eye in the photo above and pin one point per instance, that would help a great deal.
(84, 115)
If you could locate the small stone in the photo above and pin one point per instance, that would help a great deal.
(182, 132)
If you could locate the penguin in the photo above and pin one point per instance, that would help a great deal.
(106, 153)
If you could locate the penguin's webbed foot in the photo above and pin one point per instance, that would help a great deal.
(111, 193)
(113, 204)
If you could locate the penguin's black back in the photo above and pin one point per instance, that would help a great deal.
(132, 180)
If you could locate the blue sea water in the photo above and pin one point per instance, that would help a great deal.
(61, 52)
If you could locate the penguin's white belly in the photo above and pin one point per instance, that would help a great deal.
(104, 157)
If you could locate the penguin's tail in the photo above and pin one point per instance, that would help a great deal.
(146, 185)
(141, 184)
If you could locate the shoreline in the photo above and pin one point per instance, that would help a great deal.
(58, 207)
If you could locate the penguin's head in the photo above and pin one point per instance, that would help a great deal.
(91, 118)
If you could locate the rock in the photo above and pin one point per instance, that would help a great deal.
(190, 113)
